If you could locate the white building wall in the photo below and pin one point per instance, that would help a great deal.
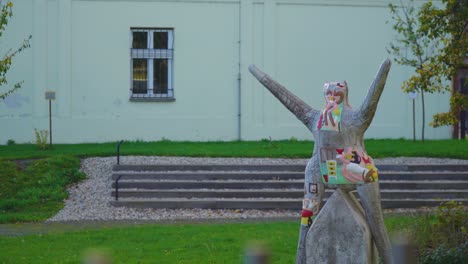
(80, 49)
(302, 44)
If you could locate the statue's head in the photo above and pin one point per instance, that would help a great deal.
(336, 92)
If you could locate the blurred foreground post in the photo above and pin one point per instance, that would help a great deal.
(403, 250)
(257, 254)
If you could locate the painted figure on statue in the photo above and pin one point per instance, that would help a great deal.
(339, 159)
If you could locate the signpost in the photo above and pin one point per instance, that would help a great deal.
(50, 95)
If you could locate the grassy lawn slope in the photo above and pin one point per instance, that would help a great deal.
(35, 190)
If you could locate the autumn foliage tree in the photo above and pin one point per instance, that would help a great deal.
(432, 40)
(450, 25)
(6, 12)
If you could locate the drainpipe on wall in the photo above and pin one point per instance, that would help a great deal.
(239, 105)
(239, 98)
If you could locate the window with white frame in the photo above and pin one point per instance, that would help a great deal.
(151, 64)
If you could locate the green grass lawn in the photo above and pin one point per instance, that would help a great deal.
(199, 243)
(35, 190)
(210, 243)
(206, 243)
(181, 243)
(377, 148)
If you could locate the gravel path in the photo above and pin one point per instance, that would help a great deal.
(89, 200)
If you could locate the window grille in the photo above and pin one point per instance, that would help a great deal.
(151, 62)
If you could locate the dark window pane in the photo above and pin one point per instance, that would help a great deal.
(160, 40)
(160, 71)
(140, 40)
(140, 76)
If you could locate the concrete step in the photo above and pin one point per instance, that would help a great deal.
(272, 175)
(424, 175)
(424, 194)
(210, 175)
(424, 167)
(231, 167)
(197, 193)
(424, 185)
(293, 204)
(210, 203)
(415, 203)
(292, 168)
(148, 184)
(274, 184)
(293, 194)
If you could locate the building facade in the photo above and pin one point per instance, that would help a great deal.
(161, 69)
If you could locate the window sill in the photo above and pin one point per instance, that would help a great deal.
(152, 99)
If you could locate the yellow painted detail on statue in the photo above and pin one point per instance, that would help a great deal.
(347, 166)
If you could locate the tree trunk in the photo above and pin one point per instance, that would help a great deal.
(423, 114)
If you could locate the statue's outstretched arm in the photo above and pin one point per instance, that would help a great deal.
(367, 109)
(299, 108)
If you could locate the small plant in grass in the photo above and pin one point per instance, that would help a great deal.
(269, 143)
(41, 138)
(165, 140)
(293, 139)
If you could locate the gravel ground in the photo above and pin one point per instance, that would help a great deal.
(89, 200)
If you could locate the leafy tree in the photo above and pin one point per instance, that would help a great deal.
(6, 12)
(434, 42)
(449, 25)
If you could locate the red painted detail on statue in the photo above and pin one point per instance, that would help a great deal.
(306, 213)
(366, 161)
(319, 125)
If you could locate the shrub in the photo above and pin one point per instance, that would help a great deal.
(448, 227)
(445, 255)
(453, 223)
(442, 237)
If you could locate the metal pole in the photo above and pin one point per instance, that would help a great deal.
(50, 123)
(118, 151)
(239, 84)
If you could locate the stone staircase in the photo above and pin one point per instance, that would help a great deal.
(273, 186)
